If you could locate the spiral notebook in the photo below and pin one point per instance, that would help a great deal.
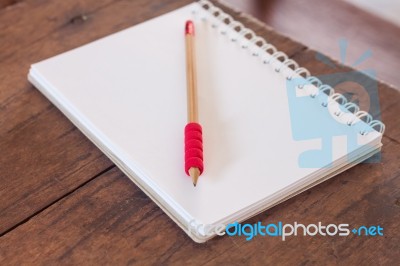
(265, 119)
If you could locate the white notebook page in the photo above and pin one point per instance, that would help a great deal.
(131, 87)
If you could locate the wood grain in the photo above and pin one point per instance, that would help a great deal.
(43, 156)
(22, 105)
(322, 24)
(63, 202)
(109, 220)
(7, 3)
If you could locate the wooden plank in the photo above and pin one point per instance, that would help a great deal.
(25, 110)
(42, 160)
(364, 195)
(109, 220)
(73, 25)
(20, 30)
(7, 3)
(44, 157)
(321, 24)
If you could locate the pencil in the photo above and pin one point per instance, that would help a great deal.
(193, 130)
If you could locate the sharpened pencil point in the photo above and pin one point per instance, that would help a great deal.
(194, 173)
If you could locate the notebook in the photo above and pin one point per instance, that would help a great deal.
(265, 119)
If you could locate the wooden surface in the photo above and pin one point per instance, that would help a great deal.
(63, 201)
(321, 24)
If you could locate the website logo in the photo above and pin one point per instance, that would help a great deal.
(283, 230)
(343, 96)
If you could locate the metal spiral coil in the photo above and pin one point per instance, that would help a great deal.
(269, 54)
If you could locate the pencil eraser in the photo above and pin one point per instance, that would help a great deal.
(189, 27)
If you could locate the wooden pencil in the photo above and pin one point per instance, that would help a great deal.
(195, 161)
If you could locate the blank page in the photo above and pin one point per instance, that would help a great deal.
(129, 90)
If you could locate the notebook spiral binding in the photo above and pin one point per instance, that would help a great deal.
(270, 55)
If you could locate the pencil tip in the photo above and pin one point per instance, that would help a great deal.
(194, 173)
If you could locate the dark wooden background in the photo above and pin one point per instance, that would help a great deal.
(322, 23)
(64, 202)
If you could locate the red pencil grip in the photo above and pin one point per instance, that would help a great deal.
(193, 147)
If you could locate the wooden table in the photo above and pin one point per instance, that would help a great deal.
(64, 202)
(321, 24)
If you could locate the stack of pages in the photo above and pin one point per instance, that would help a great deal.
(270, 131)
